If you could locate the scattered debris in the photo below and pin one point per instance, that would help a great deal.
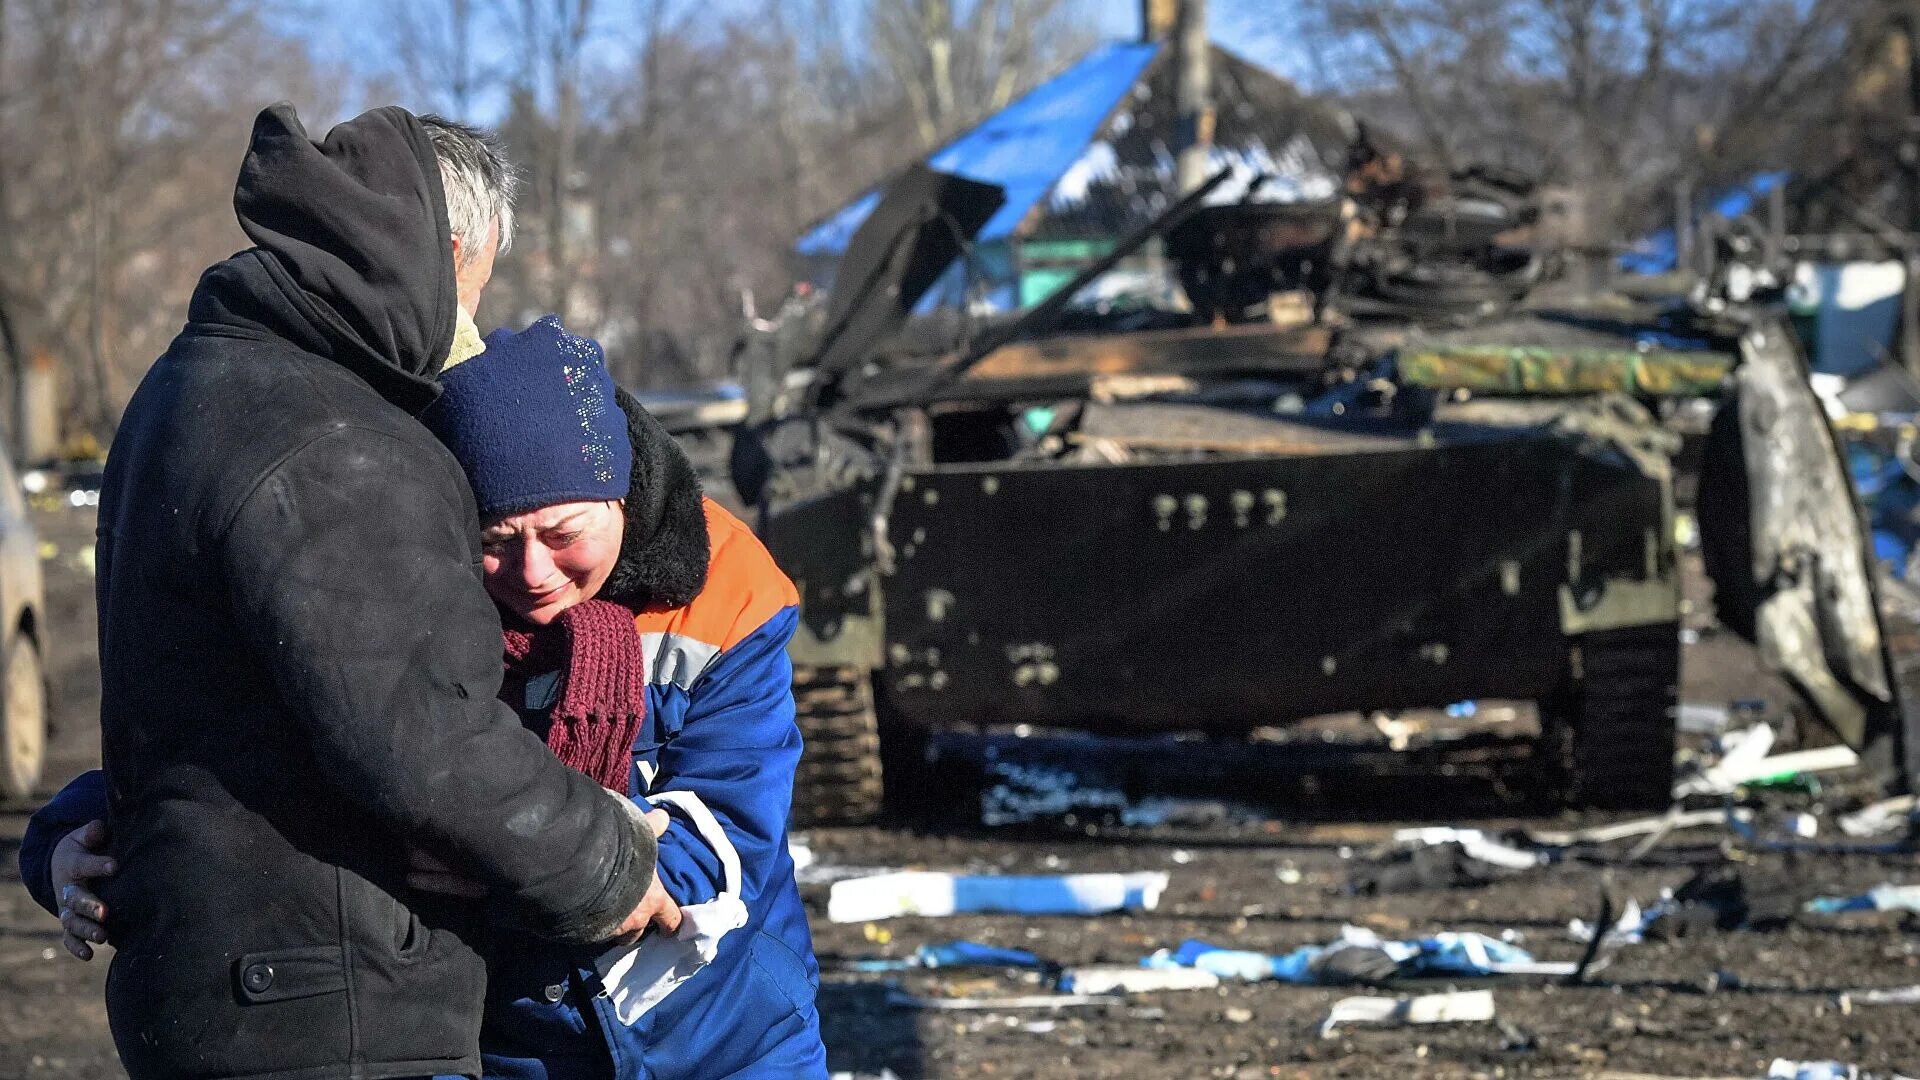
(1878, 898)
(1730, 898)
(1897, 995)
(1122, 979)
(1741, 754)
(1361, 956)
(1457, 1007)
(975, 954)
(1877, 818)
(1782, 1069)
(1672, 821)
(901, 1000)
(1629, 929)
(1743, 827)
(1748, 763)
(952, 954)
(1476, 843)
(1698, 718)
(933, 894)
(1444, 866)
(809, 870)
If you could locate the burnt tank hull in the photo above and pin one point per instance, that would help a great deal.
(1223, 595)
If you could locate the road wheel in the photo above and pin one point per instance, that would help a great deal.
(839, 780)
(23, 714)
(1612, 731)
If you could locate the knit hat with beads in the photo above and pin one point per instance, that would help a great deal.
(533, 422)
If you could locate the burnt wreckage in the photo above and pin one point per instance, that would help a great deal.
(1370, 465)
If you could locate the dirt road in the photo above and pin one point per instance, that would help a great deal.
(1723, 1004)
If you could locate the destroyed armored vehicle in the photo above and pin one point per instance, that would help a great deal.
(1401, 488)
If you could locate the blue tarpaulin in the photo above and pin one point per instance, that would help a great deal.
(1025, 147)
(1660, 252)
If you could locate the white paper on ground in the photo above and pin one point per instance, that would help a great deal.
(1458, 1007)
(1475, 842)
(901, 1000)
(1880, 817)
(1896, 995)
(934, 894)
(1133, 979)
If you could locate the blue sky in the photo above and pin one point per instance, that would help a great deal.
(348, 31)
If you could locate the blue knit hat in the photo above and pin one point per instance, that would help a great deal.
(533, 422)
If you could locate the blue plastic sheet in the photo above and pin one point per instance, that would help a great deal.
(1458, 954)
(974, 954)
(1025, 147)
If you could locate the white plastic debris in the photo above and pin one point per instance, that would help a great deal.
(1133, 979)
(1747, 760)
(934, 894)
(1887, 897)
(1602, 834)
(1896, 995)
(1457, 1007)
(1741, 751)
(1783, 1069)
(1477, 844)
(900, 1000)
(1881, 817)
(1629, 929)
(1701, 718)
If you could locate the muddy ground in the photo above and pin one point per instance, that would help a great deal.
(1725, 1004)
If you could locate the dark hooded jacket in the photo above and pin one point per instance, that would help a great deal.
(300, 665)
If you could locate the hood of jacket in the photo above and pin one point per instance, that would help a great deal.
(664, 555)
(352, 258)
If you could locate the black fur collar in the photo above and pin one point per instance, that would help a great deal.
(663, 559)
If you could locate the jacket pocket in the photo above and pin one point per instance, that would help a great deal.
(287, 974)
(779, 965)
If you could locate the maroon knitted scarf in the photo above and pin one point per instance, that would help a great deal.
(601, 698)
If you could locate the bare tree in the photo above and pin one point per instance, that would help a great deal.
(120, 127)
(1618, 98)
(957, 62)
(435, 55)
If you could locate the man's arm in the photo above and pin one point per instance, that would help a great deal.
(737, 751)
(351, 575)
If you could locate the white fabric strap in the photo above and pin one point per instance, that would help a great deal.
(638, 977)
(708, 828)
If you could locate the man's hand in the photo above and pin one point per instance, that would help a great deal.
(78, 861)
(656, 909)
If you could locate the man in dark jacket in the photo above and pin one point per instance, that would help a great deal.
(299, 663)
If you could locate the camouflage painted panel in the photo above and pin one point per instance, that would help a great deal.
(1555, 372)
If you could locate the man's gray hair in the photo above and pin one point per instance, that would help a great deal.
(479, 182)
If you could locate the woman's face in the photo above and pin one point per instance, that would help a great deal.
(541, 563)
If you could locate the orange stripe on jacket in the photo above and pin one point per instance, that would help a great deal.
(744, 589)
